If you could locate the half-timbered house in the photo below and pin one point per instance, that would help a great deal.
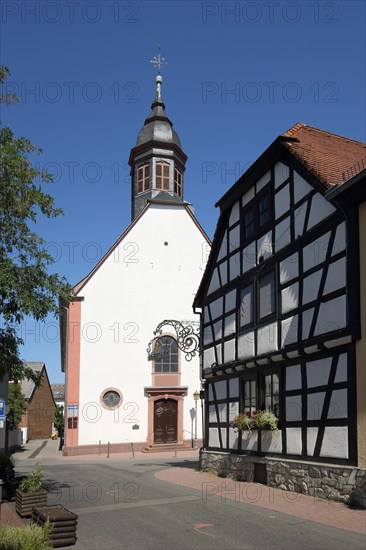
(280, 318)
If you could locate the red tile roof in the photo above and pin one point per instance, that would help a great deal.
(326, 155)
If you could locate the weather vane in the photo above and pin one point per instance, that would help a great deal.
(159, 62)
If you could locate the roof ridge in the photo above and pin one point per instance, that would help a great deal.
(299, 125)
(291, 131)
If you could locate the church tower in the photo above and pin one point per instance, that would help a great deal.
(157, 161)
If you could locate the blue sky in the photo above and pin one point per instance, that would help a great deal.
(238, 75)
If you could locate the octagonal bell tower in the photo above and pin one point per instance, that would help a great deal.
(157, 161)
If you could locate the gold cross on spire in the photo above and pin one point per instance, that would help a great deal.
(159, 62)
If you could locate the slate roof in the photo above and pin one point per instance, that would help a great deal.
(27, 386)
(165, 196)
(58, 391)
(328, 156)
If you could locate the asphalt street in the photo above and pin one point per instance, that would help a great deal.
(122, 506)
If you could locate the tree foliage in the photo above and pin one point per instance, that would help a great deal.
(59, 420)
(17, 405)
(26, 286)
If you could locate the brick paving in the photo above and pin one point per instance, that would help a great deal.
(307, 507)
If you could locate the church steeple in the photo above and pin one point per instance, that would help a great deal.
(157, 161)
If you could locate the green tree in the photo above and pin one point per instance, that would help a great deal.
(59, 420)
(26, 286)
(17, 405)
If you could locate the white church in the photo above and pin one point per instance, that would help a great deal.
(124, 384)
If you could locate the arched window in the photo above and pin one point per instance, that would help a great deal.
(143, 178)
(162, 176)
(167, 348)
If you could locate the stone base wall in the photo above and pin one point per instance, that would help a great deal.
(329, 481)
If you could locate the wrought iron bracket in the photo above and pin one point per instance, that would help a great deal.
(187, 336)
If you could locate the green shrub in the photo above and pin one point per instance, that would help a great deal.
(31, 537)
(6, 462)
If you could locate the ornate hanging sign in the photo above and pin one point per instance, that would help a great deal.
(187, 340)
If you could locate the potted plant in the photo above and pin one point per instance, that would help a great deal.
(30, 493)
(261, 420)
(242, 422)
(266, 420)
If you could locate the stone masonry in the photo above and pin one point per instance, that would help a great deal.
(328, 481)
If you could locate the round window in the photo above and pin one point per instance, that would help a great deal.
(111, 399)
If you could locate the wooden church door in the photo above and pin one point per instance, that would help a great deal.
(165, 421)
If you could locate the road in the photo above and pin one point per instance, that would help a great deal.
(122, 506)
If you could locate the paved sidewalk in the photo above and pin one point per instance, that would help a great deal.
(46, 450)
(329, 513)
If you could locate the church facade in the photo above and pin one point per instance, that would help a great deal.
(124, 384)
(282, 321)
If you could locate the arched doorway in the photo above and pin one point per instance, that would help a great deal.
(165, 421)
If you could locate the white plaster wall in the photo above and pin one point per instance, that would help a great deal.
(223, 273)
(263, 181)
(282, 234)
(234, 238)
(294, 441)
(293, 377)
(123, 303)
(335, 442)
(249, 257)
(234, 266)
(315, 252)
(216, 308)
(293, 408)
(246, 345)
(289, 268)
(248, 196)
(317, 372)
(290, 297)
(340, 239)
(234, 214)
(301, 187)
(320, 209)
(282, 201)
(229, 350)
(267, 338)
(300, 213)
(223, 248)
(215, 282)
(208, 357)
(281, 172)
(289, 330)
(332, 315)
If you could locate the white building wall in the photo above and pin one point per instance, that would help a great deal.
(143, 282)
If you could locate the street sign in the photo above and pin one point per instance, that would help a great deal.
(72, 411)
(2, 411)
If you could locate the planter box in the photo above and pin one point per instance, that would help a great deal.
(249, 440)
(271, 442)
(24, 502)
(63, 523)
